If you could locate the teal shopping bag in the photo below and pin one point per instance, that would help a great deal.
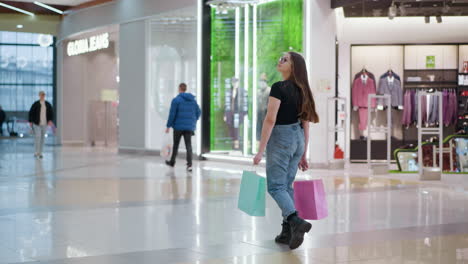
(252, 194)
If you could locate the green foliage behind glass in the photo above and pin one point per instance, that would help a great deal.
(279, 29)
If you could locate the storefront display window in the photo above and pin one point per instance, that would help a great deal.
(246, 43)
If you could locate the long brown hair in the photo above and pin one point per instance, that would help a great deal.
(299, 77)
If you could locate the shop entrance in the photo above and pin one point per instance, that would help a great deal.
(91, 88)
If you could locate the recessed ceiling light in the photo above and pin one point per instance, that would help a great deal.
(17, 9)
(19, 26)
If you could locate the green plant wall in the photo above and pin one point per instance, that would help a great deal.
(279, 29)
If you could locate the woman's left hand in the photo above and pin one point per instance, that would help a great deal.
(258, 158)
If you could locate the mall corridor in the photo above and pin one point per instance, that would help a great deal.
(83, 205)
(99, 99)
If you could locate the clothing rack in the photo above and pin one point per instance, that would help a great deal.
(426, 173)
(379, 169)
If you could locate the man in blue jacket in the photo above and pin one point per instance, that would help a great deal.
(183, 119)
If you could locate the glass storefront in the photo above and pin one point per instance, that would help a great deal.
(172, 60)
(25, 69)
(246, 43)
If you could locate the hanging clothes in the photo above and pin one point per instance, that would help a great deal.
(450, 108)
(430, 108)
(407, 109)
(454, 104)
(434, 110)
(446, 99)
(364, 71)
(362, 87)
(391, 85)
(390, 72)
(424, 109)
(414, 108)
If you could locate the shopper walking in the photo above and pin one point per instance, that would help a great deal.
(183, 118)
(285, 135)
(40, 115)
(2, 119)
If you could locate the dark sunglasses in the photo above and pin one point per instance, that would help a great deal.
(283, 59)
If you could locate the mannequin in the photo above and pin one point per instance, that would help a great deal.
(234, 110)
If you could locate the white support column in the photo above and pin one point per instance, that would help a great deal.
(237, 43)
(254, 80)
(246, 77)
(319, 47)
(199, 98)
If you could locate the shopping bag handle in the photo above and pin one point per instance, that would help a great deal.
(253, 168)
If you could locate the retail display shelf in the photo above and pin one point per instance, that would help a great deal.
(431, 83)
(434, 86)
(431, 70)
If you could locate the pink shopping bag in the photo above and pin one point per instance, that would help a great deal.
(310, 199)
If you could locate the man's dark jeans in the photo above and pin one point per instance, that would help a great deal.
(188, 145)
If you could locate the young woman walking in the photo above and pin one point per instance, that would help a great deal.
(285, 135)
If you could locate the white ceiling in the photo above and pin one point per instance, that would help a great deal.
(57, 2)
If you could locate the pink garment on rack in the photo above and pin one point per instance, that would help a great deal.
(363, 118)
(361, 91)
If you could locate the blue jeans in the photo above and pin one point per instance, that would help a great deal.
(283, 154)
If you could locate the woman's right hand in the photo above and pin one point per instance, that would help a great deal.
(303, 164)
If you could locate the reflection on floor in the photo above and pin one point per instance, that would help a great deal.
(82, 205)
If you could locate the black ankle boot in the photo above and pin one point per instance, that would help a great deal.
(298, 228)
(285, 236)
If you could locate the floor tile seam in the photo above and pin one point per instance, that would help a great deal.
(205, 256)
(378, 239)
(73, 168)
(7, 212)
(122, 256)
(265, 247)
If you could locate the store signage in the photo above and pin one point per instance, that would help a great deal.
(87, 45)
(430, 62)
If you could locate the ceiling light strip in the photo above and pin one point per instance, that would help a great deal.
(17, 9)
(49, 7)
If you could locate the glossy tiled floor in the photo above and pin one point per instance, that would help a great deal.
(82, 205)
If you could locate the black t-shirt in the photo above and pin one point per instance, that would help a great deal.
(290, 96)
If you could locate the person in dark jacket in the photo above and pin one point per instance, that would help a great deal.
(2, 119)
(183, 118)
(40, 116)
